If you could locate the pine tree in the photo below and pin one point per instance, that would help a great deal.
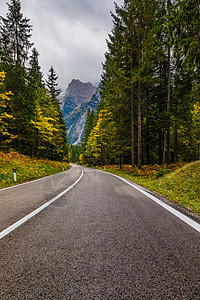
(89, 125)
(185, 24)
(16, 32)
(52, 84)
(54, 92)
(35, 74)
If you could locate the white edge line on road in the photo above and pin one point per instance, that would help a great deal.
(175, 212)
(36, 211)
(32, 181)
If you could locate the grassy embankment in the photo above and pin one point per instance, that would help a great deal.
(27, 169)
(179, 183)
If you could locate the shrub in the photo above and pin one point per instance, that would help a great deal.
(162, 172)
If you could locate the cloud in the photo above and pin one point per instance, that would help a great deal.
(70, 35)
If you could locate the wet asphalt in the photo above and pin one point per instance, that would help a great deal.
(101, 240)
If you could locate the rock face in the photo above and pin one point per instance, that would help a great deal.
(79, 91)
(78, 98)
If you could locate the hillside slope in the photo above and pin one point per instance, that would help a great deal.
(180, 185)
(27, 169)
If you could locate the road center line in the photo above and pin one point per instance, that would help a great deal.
(175, 212)
(23, 220)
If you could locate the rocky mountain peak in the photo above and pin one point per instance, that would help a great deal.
(80, 91)
(78, 98)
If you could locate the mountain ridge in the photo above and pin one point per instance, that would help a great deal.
(78, 98)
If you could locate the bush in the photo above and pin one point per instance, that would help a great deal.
(162, 172)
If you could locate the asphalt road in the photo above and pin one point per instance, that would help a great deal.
(101, 240)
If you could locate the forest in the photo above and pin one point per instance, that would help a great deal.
(30, 116)
(149, 111)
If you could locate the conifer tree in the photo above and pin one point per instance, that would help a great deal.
(35, 74)
(33, 120)
(52, 83)
(54, 92)
(16, 32)
(89, 124)
(185, 23)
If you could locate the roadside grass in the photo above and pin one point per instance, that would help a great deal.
(27, 169)
(179, 183)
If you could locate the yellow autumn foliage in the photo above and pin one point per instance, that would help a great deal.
(5, 136)
(100, 138)
(44, 125)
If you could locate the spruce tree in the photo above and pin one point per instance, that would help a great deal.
(35, 74)
(52, 83)
(18, 31)
(54, 93)
(89, 124)
(15, 34)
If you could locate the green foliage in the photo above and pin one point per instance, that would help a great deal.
(100, 138)
(181, 185)
(6, 136)
(89, 124)
(74, 153)
(15, 35)
(33, 122)
(27, 169)
(52, 84)
(162, 172)
(150, 87)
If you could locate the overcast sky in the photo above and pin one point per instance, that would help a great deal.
(70, 35)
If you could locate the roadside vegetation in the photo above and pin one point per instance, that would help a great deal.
(27, 169)
(179, 183)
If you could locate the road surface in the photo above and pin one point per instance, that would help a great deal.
(102, 239)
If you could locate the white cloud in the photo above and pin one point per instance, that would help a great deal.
(70, 35)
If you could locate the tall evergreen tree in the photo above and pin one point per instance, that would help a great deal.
(54, 92)
(16, 32)
(18, 29)
(185, 24)
(33, 120)
(89, 124)
(52, 83)
(35, 74)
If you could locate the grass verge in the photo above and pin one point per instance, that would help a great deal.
(27, 169)
(178, 183)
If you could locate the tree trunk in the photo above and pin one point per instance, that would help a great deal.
(175, 144)
(120, 161)
(147, 133)
(199, 118)
(132, 112)
(139, 126)
(199, 144)
(164, 147)
(168, 106)
(132, 129)
(160, 147)
(19, 144)
(176, 139)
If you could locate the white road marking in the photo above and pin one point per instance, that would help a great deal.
(175, 212)
(21, 221)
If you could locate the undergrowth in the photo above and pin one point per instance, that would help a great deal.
(179, 183)
(27, 169)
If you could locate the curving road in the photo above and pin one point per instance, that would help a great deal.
(102, 239)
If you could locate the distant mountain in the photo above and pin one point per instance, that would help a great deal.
(75, 102)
